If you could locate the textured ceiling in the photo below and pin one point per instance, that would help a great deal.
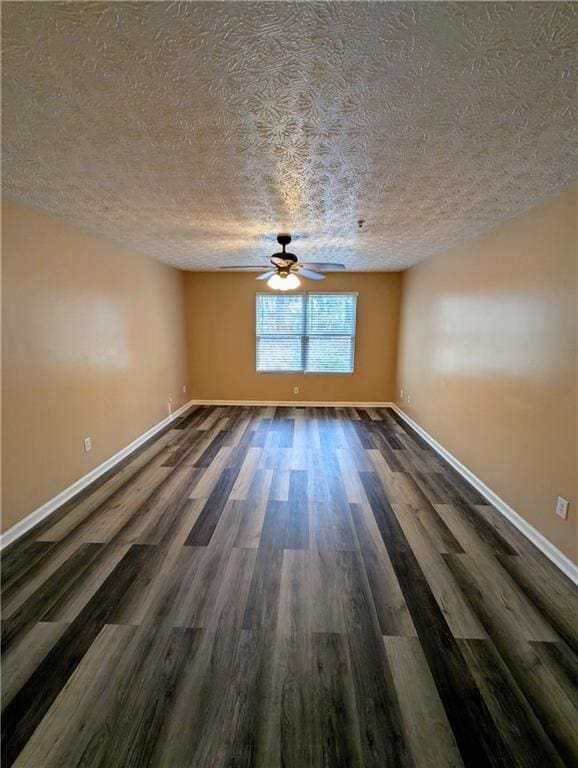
(194, 131)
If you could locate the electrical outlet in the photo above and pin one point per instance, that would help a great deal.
(295, 390)
(184, 388)
(87, 444)
(562, 508)
(408, 399)
(401, 394)
(170, 397)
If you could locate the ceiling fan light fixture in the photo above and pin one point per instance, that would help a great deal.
(283, 282)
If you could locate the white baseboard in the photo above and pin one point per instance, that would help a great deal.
(541, 542)
(51, 505)
(295, 403)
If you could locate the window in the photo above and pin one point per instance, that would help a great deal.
(306, 333)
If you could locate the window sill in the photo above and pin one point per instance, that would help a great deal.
(306, 373)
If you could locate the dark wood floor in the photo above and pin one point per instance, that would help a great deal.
(285, 586)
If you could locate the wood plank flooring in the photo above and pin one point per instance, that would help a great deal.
(285, 587)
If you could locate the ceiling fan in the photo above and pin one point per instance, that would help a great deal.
(286, 268)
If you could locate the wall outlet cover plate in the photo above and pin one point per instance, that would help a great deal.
(562, 508)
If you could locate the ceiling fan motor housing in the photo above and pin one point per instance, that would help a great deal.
(283, 259)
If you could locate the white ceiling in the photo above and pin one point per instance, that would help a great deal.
(195, 131)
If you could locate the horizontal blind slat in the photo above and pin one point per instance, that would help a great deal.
(329, 354)
(279, 353)
(331, 313)
(280, 315)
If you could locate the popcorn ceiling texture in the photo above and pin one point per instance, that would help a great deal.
(194, 132)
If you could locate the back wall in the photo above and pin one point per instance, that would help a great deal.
(220, 318)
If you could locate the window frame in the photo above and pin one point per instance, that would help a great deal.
(305, 336)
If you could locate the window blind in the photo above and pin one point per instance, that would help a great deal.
(310, 333)
(280, 331)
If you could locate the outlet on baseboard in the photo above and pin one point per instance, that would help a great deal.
(562, 508)
(295, 390)
(87, 444)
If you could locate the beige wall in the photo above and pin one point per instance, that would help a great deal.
(93, 344)
(488, 357)
(220, 310)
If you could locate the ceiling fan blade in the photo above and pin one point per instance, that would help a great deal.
(266, 275)
(322, 265)
(246, 266)
(311, 275)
